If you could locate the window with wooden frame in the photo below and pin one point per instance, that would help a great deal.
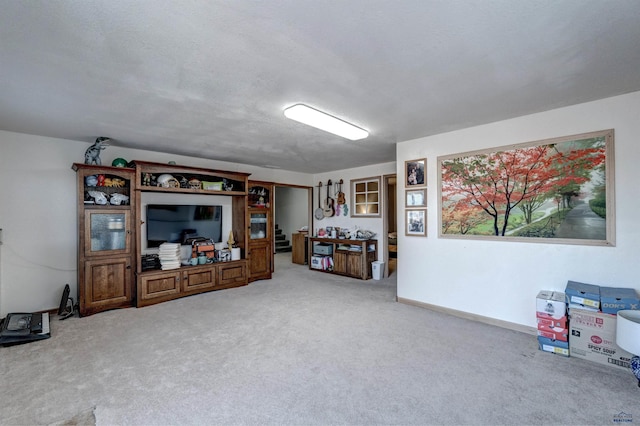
(366, 197)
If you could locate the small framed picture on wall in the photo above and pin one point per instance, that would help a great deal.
(416, 197)
(415, 172)
(416, 223)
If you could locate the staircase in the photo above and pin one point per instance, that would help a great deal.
(282, 244)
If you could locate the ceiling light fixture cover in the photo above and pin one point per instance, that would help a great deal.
(323, 121)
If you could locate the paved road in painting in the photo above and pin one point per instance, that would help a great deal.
(582, 223)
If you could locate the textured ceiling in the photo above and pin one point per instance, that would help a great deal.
(210, 78)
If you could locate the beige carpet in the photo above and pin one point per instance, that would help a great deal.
(85, 418)
(304, 348)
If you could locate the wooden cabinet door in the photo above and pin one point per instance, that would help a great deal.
(340, 262)
(107, 232)
(162, 285)
(199, 279)
(354, 264)
(259, 261)
(232, 274)
(106, 284)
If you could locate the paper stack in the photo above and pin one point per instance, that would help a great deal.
(169, 255)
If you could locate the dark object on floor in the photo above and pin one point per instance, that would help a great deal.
(67, 308)
(23, 327)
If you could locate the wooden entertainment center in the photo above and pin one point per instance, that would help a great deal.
(109, 237)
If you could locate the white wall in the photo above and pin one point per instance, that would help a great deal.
(291, 209)
(38, 213)
(369, 223)
(500, 279)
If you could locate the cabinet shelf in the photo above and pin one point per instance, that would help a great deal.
(190, 191)
(344, 261)
(189, 180)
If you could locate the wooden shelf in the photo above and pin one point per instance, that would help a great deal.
(352, 263)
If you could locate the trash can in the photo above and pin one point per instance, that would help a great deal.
(376, 268)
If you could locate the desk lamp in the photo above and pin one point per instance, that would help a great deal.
(628, 337)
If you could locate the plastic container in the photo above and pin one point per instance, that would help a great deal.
(376, 269)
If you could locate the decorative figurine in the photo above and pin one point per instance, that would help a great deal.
(119, 162)
(118, 199)
(100, 197)
(91, 180)
(92, 154)
(231, 241)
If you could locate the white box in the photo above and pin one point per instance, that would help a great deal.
(551, 303)
(316, 262)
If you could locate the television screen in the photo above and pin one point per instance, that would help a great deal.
(182, 223)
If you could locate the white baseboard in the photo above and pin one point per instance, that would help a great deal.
(474, 317)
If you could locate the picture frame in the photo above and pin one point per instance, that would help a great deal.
(415, 223)
(415, 173)
(415, 198)
(558, 190)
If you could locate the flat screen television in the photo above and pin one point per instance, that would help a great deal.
(180, 223)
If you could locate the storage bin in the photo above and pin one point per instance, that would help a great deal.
(376, 269)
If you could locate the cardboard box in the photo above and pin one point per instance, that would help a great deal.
(592, 336)
(212, 186)
(316, 262)
(551, 303)
(553, 346)
(324, 263)
(613, 299)
(587, 295)
(545, 320)
(322, 248)
(553, 333)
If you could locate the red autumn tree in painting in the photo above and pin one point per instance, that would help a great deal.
(492, 185)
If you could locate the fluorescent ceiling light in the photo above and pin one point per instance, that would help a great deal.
(323, 121)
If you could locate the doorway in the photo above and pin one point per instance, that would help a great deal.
(292, 213)
(390, 224)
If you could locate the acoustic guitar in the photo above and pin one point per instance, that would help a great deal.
(340, 196)
(329, 211)
(319, 213)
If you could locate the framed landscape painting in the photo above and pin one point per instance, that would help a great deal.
(557, 190)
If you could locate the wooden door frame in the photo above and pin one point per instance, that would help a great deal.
(385, 221)
(309, 207)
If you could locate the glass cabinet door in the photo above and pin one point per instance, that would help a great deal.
(106, 232)
(259, 226)
(259, 197)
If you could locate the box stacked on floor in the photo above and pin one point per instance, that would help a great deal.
(592, 322)
(588, 327)
(582, 296)
(551, 316)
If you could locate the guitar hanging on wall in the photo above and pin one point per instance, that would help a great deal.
(340, 196)
(329, 211)
(319, 213)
